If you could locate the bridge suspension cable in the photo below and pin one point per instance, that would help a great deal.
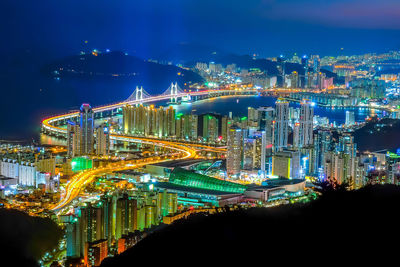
(173, 91)
(138, 95)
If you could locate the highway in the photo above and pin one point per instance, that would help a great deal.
(48, 123)
(185, 149)
(80, 180)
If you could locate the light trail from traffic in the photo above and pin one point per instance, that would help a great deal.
(80, 180)
(48, 123)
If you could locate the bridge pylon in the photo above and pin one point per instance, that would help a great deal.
(138, 95)
(173, 91)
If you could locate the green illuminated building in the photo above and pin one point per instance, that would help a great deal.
(392, 168)
(183, 177)
(81, 163)
(210, 128)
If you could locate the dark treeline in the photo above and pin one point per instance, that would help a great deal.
(24, 239)
(340, 227)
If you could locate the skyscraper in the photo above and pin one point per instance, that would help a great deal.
(252, 114)
(73, 140)
(188, 127)
(149, 121)
(306, 124)
(265, 122)
(350, 120)
(102, 140)
(126, 216)
(87, 127)
(210, 128)
(296, 135)
(233, 158)
(170, 121)
(322, 145)
(282, 124)
(254, 152)
(225, 123)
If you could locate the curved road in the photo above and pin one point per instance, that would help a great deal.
(48, 123)
(80, 180)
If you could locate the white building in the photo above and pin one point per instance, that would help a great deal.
(306, 124)
(9, 168)
(27, 174)
(350, 119)
(282, 124)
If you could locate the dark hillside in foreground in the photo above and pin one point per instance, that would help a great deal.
(339, 227)
(24, 239)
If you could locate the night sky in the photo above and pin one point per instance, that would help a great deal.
(148, 28)
(35, 33)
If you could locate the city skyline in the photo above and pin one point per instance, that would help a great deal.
(177, 131)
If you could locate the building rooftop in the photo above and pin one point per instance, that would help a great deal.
(274, 183)
(281, 182)
(182, 188)
(187, 178)
(178, 163)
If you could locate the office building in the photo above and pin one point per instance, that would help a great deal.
(254, 152)
(234, 151)
(87, 128)
(267, 123)
(322, 145)
(225, 124)
(281, 124)
(252, 114)
(73, 140)
(296, 135)
(126, 216)
(350, 120)
(306, 124)
(103, 140)
(210, 128)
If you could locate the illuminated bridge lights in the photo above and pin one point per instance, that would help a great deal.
(80, 180)
(48, 124)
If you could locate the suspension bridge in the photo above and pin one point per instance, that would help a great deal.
(173, 94)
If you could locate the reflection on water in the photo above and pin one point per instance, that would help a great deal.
(224, 105)
(51, 140)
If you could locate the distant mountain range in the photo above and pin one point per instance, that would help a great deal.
(117, 65)
(152, 75)
(189, 54)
